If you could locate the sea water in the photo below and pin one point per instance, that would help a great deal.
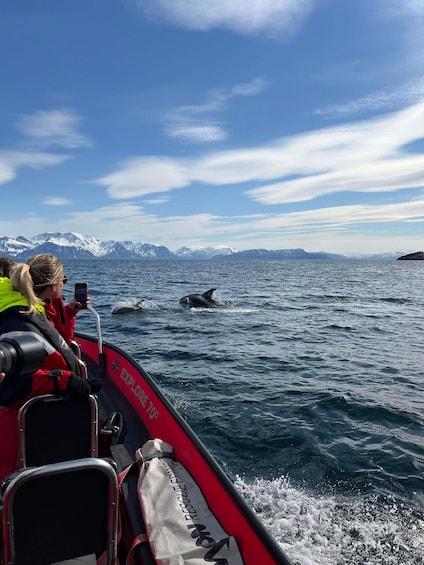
(305, 383)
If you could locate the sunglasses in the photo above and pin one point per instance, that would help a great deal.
(64, 280)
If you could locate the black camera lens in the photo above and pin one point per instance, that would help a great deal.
(22, 355)
(7, 357)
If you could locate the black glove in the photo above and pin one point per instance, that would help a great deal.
(95, 385)
(78, 387)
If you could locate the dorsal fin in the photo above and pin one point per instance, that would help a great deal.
(208, 294)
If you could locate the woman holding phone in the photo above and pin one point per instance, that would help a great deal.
(61, 317)
(25, 299)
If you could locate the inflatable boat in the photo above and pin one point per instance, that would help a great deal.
(122, 479)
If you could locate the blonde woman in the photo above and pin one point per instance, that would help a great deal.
(23, 299)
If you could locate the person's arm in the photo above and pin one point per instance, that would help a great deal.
(65, 317)
(71, 311)
(45, 381)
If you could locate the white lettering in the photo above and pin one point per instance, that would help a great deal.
(140, 394)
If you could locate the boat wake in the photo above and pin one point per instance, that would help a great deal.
(326, 530)
(226, 308)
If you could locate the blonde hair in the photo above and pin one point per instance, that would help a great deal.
(32, 277)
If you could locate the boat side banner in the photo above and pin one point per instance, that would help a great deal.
(180, 526)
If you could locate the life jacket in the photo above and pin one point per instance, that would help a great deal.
(59, 365)
(9, 297)
(13, 317)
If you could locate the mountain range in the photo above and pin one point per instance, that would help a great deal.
(77, 246)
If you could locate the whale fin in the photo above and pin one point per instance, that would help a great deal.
(208, 294)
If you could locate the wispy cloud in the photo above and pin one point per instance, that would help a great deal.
(11, 161)
(362, 157)
(384, 99)
(344, 216)
(198, 124)
(406, 7)
(53, 127)
(41, 130)
(306, 228)
(56, 201)
(181, 130)
(366, 156)
(156, 201)
(246, 17)
(145, 175)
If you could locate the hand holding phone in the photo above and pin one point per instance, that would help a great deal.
(81, 293)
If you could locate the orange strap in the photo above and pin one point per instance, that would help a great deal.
(124, 473)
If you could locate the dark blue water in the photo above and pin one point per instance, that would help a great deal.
(306, 384)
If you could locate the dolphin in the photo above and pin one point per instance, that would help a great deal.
(204, 300)
(125, 308)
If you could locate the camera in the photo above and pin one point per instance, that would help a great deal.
(22, 355)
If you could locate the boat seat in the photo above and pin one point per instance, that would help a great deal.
(58, 512)
(53, 428)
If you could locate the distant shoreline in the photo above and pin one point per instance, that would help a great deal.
(75, 246)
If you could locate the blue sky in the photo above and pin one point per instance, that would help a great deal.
(249, 123)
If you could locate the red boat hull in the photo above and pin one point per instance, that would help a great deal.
(162, 421)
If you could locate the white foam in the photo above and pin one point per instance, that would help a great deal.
(134, 303)
(337, 530)
(150, 305)
(222, 311)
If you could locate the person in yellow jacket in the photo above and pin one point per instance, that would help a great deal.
(22, 310)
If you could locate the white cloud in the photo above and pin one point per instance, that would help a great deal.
(145, 175)
(56, 201)
(367, 157)
(53, 127)
(385, 99)
(256, 86)
(41, 129)
(406, 7)
(344, 216)
(11, 161)
(246, 17)
(197, 133)
(196, 124)
(340, 229)
(156, 201)
(363, 157)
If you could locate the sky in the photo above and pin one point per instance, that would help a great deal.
(272, 124)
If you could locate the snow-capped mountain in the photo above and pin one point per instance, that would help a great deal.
(198, 252)
(13, 246)
(70, 239)
(148, 250)
(77, 246)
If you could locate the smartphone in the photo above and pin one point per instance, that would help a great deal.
(81, 293)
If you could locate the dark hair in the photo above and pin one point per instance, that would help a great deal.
(5, 265)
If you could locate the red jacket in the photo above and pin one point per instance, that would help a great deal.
(16, 389)
(38, 383)
(62, 318)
